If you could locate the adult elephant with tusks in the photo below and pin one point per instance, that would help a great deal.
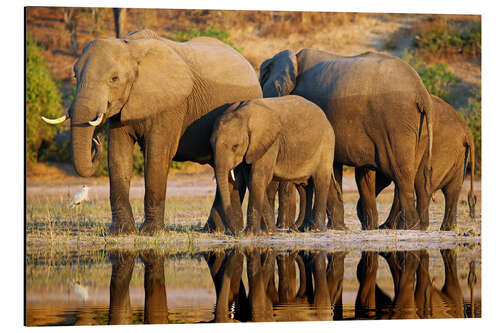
(379, 109)
(153, 91)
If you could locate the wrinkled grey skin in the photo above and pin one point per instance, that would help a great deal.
(380, 111)
(152, 91)
(453, 149)
(286, 138)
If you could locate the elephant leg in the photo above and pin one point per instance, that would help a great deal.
(120, 161)
(322, 301)
(404, 305)
(302, 208)
(287, 205)
(365, 305)
(423, 286)
(260, 305)
(271, 191)
(408, 216)
(309, 190)
(451, 287)
(365, 179)
(215, 223)
(228, 291)
(267, 222)
(451, 194)
(159, 150)
(321, 187)
(423, 202)
(381, 183)
(335, 278)
(155, 294)
(286, 278)
(122, 267)
(258, 201)
(335, 204)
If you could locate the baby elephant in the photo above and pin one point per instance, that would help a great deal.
(285, 139)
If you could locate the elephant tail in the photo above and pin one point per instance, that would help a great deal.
(426, 110)
(469, 154)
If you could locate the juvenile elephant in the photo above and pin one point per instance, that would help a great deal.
(377, 106)
(152, 90)
(286, 138)
(453, 148)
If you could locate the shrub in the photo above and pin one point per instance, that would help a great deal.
(222, 35)
(42, 98)
(445, 38)
(436, 77)
(472, 116)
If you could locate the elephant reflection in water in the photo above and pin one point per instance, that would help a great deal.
(226, 268)
(415, 293)
(155, 302)
(320, 285)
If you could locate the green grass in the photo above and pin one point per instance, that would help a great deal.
(436, 77)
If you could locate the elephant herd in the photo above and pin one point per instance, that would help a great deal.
(297, 285)
(202, 101)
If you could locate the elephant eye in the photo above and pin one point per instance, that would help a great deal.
(114, 78)
(235, 147)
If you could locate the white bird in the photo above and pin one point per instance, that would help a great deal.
(80, 196)
(80, 290)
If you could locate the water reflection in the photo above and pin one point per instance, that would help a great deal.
(155, 300)
(416, 295)
(262, 284)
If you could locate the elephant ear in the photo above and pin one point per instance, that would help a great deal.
(163, 80)
(278, 75)
(263, 130)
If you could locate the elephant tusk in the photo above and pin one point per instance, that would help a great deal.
(232, 175)
(56, 121)
(98, 120)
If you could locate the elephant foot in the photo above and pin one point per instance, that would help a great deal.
(122, 229)
(211, 228)
(385, 226)
(151, 229)
(339, 227)
(318, 228)
(251, 231)
(446, 227)
(408, 223)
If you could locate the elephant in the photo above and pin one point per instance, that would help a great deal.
(453, 147)
(377, 106)
(155, 296)
(284, 138)
(153, 91)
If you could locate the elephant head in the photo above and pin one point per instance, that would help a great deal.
(133, 78)
(278, 75)
(243, 132)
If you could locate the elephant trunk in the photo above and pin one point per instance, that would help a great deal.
(86, 149)
(221, 175)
